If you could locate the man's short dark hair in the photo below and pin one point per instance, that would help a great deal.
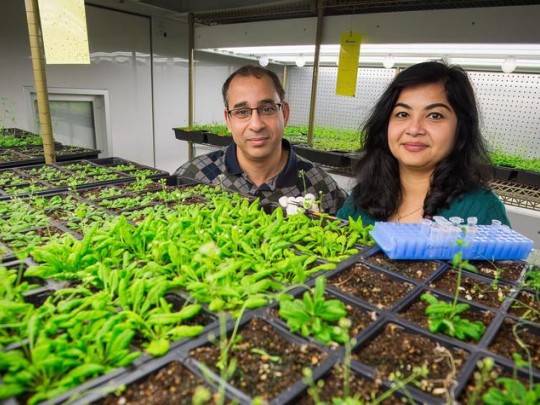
(256, 71)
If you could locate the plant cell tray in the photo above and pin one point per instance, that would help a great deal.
(418, 241)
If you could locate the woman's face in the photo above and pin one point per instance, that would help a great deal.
(422, 127)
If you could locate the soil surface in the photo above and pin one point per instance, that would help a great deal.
(359, 387)
(416, 312)
(415, 269)
(372, 286)
(267, 362)
(526, 303)
(395, 349)
(489, 294)
(508, 341)
(173, 384)
(503, 270)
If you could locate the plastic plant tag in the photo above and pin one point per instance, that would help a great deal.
(439, 240)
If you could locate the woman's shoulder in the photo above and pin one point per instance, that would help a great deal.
(482, 203)
(480, 194)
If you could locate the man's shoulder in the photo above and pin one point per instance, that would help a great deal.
(209, 165)
(313, 170)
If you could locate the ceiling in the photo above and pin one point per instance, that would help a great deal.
(217, 12)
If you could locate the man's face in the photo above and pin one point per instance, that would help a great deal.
(258, 137)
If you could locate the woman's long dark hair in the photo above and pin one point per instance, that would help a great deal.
(378, 190)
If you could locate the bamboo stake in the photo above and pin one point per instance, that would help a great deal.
(191, 38)
(40, 79)
(318, 38)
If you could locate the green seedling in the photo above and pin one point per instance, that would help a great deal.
(314, 316)
(445, 317)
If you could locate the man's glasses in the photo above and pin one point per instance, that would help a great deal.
(244, 113)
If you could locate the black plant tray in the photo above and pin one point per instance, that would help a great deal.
(293, 389)
(528, 178)
(183, 134)
(504, 173)
(134, 376)
(218, 140)
(419, 270)
(22, 157)
(129, 175)
(475, 279)
(326, 158)
(391, 323)
(340, 288)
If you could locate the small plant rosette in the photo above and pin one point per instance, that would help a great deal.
(487, 315)
(331, 293)
(293, 389)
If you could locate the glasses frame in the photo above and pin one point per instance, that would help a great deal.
(229, 112)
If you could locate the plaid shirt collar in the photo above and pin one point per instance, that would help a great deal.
(286, 178)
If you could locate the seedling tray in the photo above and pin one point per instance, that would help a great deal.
(417, 241)
(381, 316)
(190, 136)
(26, 156)
(325, 361)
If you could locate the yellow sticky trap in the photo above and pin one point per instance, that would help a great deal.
(63, 26)
(349, 55)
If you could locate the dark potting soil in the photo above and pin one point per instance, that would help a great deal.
(257, 374)
(471, 289)
(416, 312)
(395, 349)
(511, 338)
(372, 286)
(173, 384)
(333, 387)
(526, 304)
(503, 270)
(415, 269)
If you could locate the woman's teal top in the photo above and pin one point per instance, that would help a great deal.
(483, 204)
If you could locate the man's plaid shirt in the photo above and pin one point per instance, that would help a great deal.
(289, 182)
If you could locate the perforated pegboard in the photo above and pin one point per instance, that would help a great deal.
(510, 110)
(331, 110)
(509, 104)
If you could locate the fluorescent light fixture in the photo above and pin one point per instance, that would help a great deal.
(473, 56)
(509, 65)
(389, 62)
(263, 60)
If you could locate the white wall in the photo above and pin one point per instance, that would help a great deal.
(517, 24)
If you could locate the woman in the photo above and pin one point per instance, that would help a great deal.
(423, 154)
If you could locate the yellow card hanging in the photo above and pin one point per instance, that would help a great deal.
(349, 54)
(65, 37)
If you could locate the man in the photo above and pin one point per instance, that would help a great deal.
(260, 163)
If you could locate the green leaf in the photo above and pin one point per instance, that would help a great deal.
(158, 347)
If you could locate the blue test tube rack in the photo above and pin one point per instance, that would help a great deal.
(442, 238)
